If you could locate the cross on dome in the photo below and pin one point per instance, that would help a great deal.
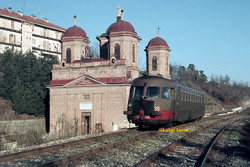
(75, 20)
(157, 32)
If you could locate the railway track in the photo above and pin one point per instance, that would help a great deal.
(86, 149)
(191, 150)
(127, 154)
(28, 158)
(231, 146)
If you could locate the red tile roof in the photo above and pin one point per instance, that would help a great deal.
(114, 80)
(59, 82)
(109, 80)
(28, 19)
(120, 26)
(75, 32)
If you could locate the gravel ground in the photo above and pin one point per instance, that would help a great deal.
(124, 155)
(190, 151)
(132, 153)
(54, 142)
(69, 151)
(233, 149)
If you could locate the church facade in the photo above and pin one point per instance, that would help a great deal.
(89, 95)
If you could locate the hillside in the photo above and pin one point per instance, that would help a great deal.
(213, 105)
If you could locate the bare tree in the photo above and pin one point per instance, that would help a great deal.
(94, 50)
(174, 68)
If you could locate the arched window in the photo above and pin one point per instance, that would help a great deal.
(154, 63)
(68, 55)
(133, 53)
(117, 51)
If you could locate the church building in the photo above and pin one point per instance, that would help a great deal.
(89, 94)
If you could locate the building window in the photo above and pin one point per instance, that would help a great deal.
(12, 38)
(154, 63)
(12, 24)
(133, 53)
(117, 51)
(33, 41)
(68, 55)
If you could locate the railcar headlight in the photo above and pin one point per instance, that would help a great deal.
(129, 105)
(157, 108)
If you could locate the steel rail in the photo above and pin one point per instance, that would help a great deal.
(153, 156)
(66, 160)
(23, 154)
(36, 151)
(214, 141)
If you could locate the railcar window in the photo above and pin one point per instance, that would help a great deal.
(165, 93)
(172, 95)
(138, 91)
(175, 94)
(185, 96)
(131, 92)
(153, 92)
(182, 96)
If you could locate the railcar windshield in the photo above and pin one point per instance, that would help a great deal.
(153, 92)
(138, 91)
(165, 93)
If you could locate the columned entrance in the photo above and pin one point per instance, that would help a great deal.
(86, 123)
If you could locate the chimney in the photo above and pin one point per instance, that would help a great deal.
(20, 13)
(46, 20)
(33, 17)
(9, 9)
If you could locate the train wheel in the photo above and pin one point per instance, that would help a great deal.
(140, 127)
(172, 124)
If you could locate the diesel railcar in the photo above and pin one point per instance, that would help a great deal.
(157, 101)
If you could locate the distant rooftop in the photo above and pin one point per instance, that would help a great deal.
(20, 16)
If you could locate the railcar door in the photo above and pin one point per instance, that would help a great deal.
(178, 104)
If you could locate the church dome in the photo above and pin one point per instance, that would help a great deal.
(120, 26)
(75, 32)
(157, 42)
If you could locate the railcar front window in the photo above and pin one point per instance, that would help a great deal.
(164, 93)
(153, 92)
(138, 91)
(131, 92)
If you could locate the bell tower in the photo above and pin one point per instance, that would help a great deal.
(121, 42)
(157, 57)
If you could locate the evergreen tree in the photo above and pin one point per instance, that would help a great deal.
(24, 80)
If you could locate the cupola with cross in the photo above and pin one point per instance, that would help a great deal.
(157, 57)
(120, 41)
(75, 44)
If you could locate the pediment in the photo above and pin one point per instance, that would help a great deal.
(84, 80)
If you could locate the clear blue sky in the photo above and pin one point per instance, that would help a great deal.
(214, 35)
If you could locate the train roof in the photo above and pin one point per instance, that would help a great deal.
(160, 81)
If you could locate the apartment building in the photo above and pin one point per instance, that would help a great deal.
(28, 33)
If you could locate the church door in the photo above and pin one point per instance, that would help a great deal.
(86, 123)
